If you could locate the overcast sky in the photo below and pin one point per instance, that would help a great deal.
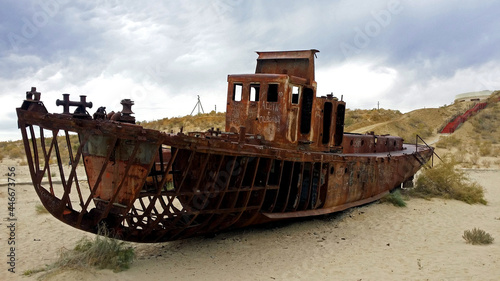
(162, 54)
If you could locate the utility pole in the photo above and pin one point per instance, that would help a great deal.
(198, 104)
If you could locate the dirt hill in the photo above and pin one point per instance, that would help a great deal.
(476, 143)
(424, 122)
(189, 123)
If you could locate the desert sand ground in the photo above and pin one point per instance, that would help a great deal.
(375, 242)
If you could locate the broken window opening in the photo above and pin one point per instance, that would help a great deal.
(272, 92)
(254, 92)
(327, 122)
(306, 109)
(339, 126)
(237, 91)
(295, 94)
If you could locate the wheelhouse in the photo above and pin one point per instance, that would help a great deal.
(279, 103)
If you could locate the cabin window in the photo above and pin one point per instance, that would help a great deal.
(237, 91)
(339, 125)
(327, 122)
(254, 92)
(306, 111)
(272, 92)
(295, 94)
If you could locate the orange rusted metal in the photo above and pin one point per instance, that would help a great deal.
(284, 154)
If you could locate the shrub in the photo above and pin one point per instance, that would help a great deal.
(477, 236)
(447, 182)
(395, 198)
(102, 252)
(485, 148)
(485, 122)
(460, 157)
(496, 152)
(16, 152)
(474, 158)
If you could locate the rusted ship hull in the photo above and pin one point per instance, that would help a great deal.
(208, 183)
(283, 154)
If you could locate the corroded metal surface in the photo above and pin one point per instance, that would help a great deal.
(284, 155)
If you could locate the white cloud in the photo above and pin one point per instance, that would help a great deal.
(361, 84)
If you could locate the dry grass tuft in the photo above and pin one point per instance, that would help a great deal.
(445, 181)
(477, 236)
(395, 198)
(102, 252)
(485, 148)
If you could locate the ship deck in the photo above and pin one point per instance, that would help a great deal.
(407, 149)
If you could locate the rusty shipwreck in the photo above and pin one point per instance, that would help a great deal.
(283, 154)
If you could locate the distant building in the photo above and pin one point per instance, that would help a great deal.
(473, 96)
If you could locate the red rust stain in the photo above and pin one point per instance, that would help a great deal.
(109, 185)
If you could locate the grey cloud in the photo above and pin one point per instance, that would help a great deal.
(186, 47)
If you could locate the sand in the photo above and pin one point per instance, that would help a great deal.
(375, 242)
